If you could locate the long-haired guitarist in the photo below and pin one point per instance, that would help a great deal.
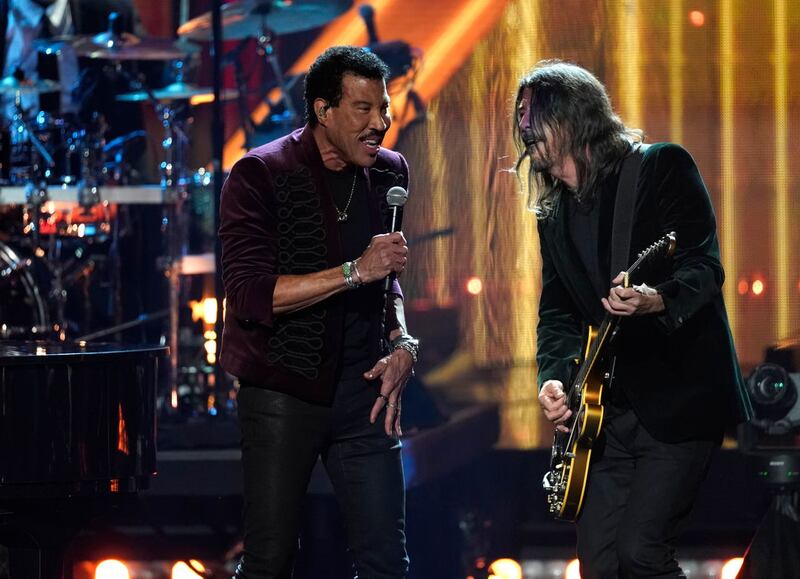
(676, 381)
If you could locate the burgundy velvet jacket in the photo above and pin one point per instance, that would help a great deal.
(277, 218)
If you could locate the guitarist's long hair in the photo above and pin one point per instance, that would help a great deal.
(569, 102)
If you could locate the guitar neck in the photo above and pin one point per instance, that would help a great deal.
(604, 333)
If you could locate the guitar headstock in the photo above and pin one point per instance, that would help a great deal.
(663, 247)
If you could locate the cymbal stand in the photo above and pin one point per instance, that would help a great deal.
(233, 57)
(269, 51)
(174, 184)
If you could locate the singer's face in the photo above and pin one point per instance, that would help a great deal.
(539, 147)
(356, 127)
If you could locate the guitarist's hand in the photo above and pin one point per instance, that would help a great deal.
(554, 404)
(637, 300)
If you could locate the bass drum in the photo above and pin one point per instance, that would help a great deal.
(23, 312)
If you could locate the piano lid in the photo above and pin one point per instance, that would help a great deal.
(14, 352)
(76, 418)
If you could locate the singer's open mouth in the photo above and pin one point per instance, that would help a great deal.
(372, 142)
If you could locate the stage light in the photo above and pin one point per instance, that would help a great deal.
(731, 568)
(697, 18)
(505, 569)
(573, 570)
(474, 286)
(191, 570)
(774, 393)
(758, 287)
(743, 287)
(112, 569)
(210, 311)
(205, 309)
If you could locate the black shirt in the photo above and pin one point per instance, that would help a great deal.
(355, 237)
(590, 225)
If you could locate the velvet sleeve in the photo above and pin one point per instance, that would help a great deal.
(249, 242)
(558, 333)
(684, 206)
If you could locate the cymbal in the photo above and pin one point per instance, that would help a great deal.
(126, 46)
(11, 85)
(245, 18)
(178, 91)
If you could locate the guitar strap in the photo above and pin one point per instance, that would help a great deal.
(624, 210)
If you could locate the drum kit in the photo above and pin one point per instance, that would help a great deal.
(66, 186)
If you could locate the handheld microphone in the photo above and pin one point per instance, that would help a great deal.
(396, 197)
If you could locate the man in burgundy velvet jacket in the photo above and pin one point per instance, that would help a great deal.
(305, 254)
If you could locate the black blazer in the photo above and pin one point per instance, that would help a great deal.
(678, 369)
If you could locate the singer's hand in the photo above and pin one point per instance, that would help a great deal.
(393, 371)
(386, 253)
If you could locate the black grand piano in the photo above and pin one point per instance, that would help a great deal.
(77, 431)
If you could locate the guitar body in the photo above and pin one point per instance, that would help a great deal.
(572, 454)
(565, 482)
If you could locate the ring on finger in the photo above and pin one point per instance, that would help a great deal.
(393, 405)
(384, 398)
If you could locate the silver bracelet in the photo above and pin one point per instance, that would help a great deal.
(354, 269)
(347, 271)
(407, 343)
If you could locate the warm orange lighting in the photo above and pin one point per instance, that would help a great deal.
(697, 18)
(192, 570)
(112, 569)
(210, 311)
(505, 569)
(474, 285)
(122, 431)
(573, 570)
(731, 568)
(743, 287)
(758, 287)
(205, 309)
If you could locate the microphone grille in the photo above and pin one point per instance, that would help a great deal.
(396, 197)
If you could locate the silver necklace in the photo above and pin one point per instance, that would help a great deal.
(342, 215)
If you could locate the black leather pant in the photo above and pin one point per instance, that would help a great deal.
(282, 437)
(640, 493)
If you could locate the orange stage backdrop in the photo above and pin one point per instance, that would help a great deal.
(712, 76)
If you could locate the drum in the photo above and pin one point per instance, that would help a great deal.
(44, 159)
(87, 219)
(23, 311)
(52, 149)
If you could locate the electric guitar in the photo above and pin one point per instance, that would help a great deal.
(565, 482)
